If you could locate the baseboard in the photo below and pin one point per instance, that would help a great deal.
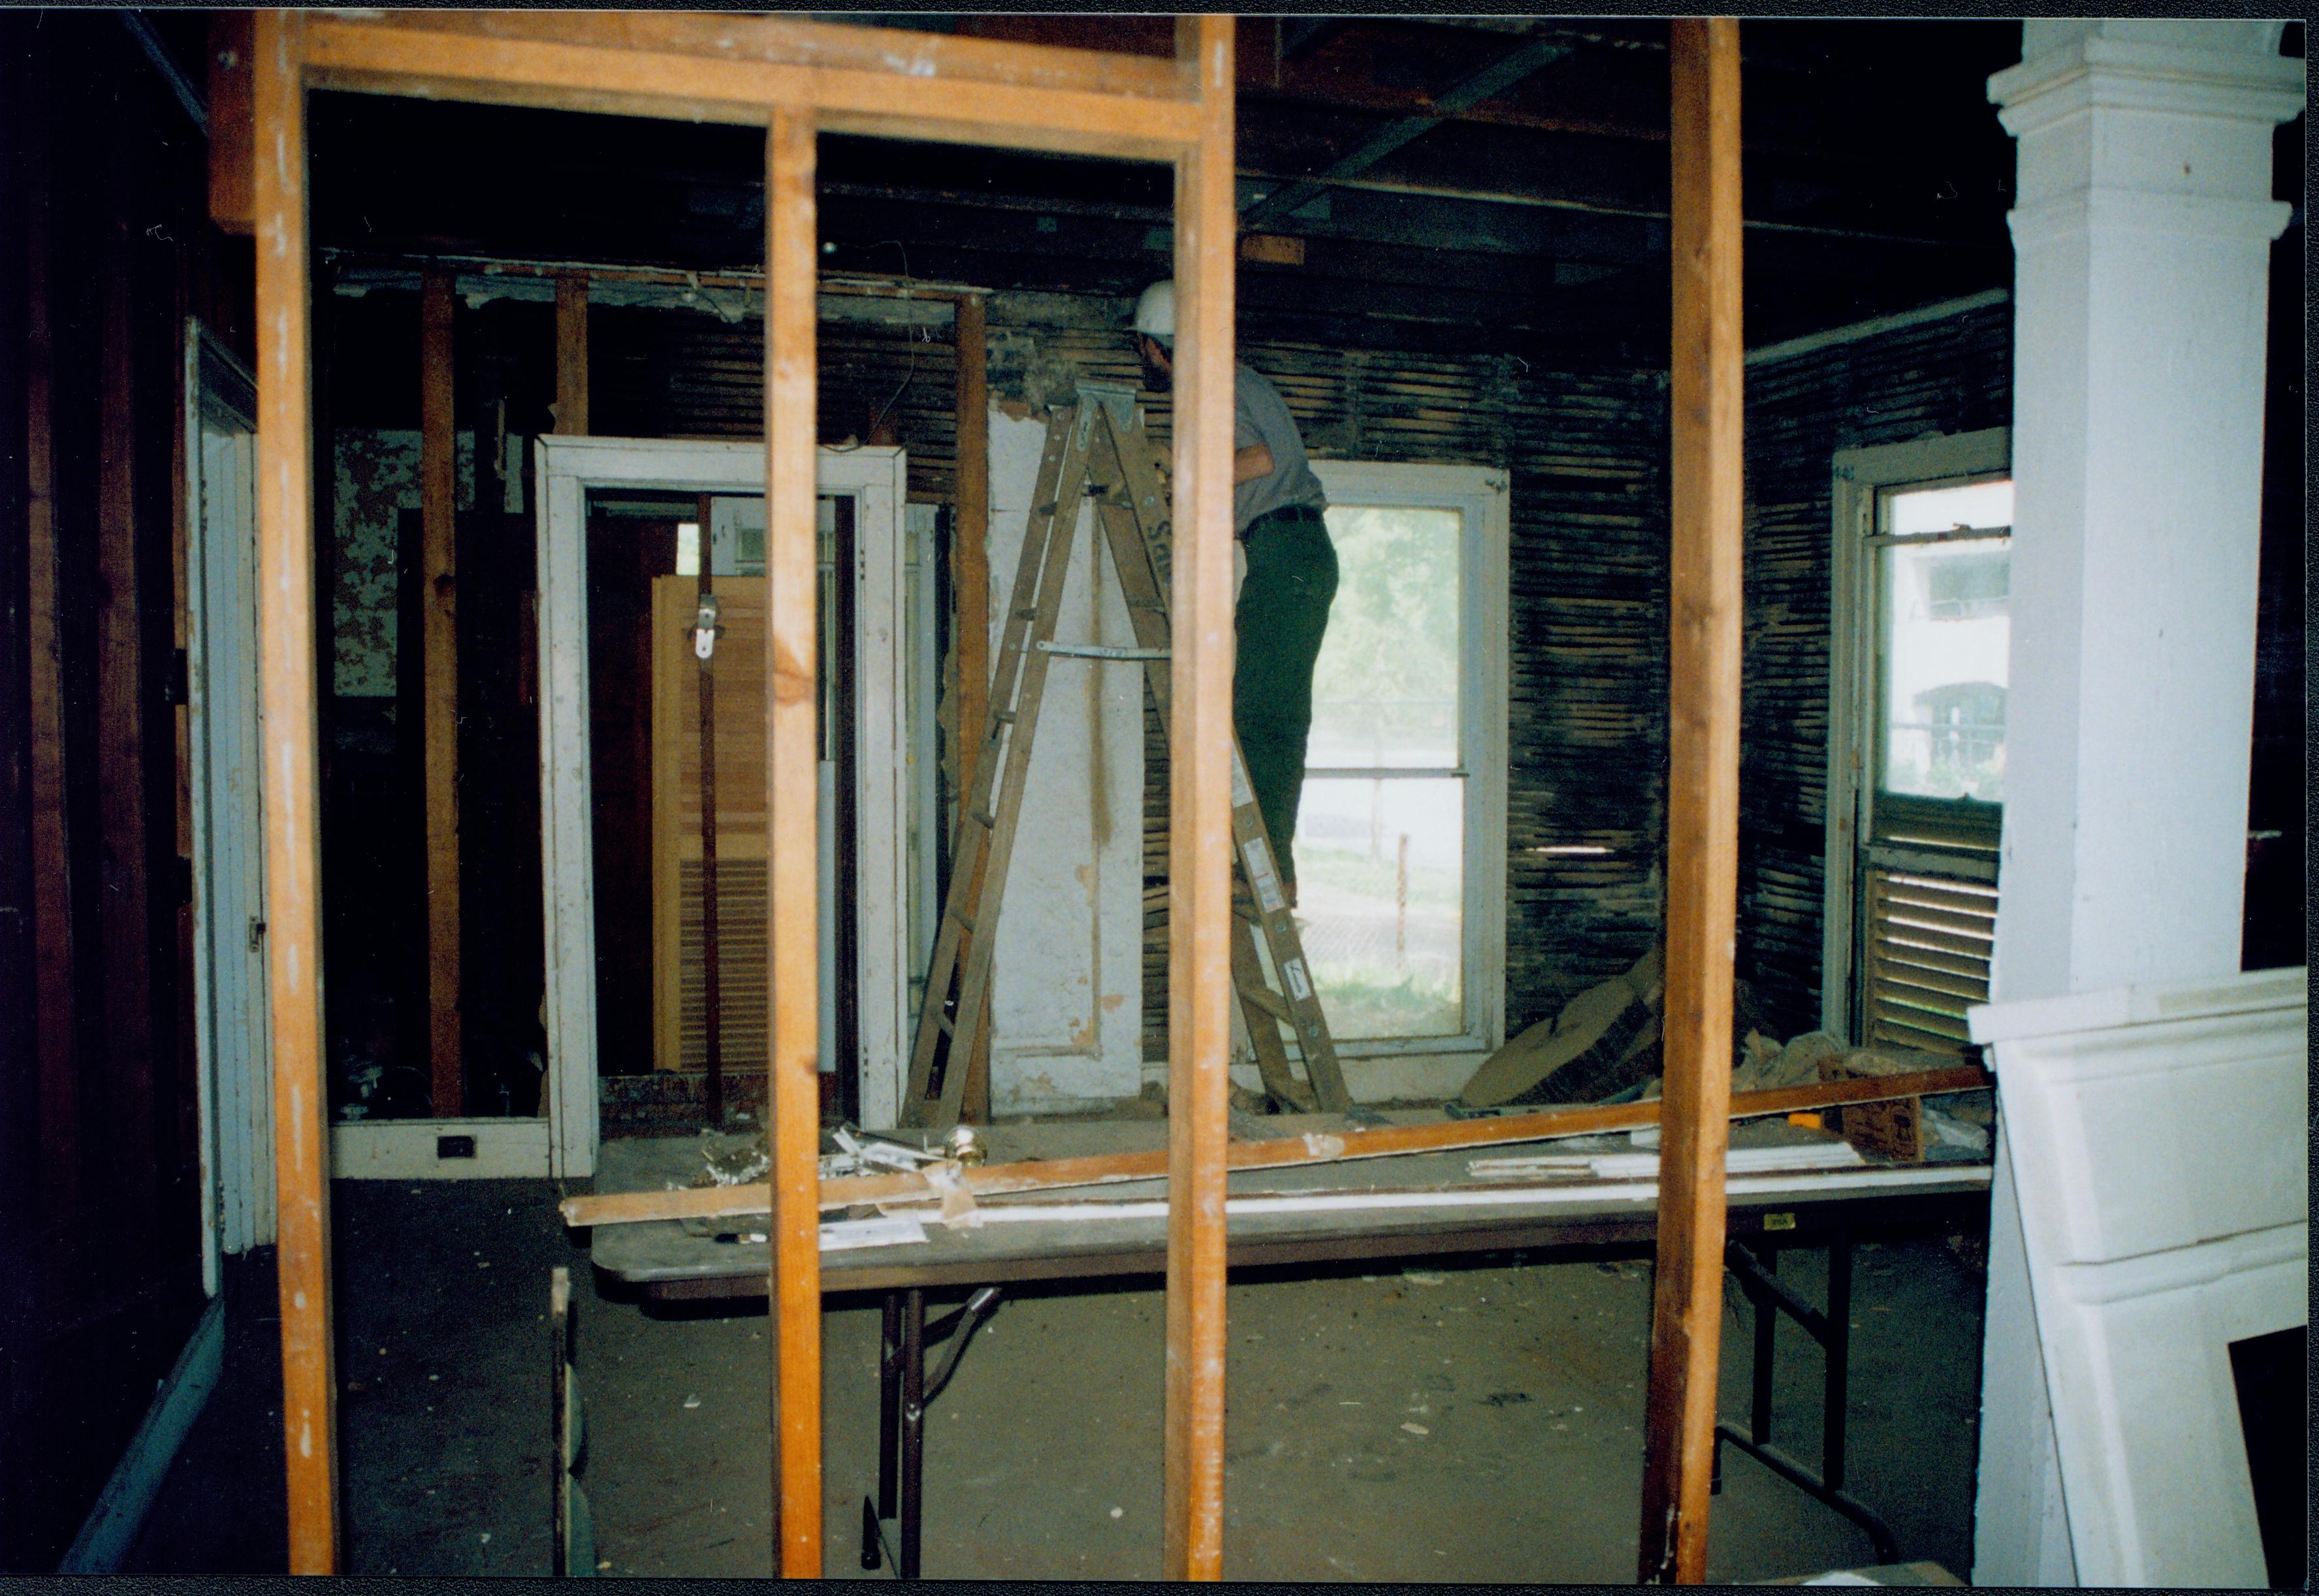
(440, 1149)
(114, 1523)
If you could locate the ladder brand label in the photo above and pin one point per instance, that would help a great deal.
(1259, 860)
(1293, 969)
(1242, 796)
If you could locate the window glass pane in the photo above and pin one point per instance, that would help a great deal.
(1384, 691)
(1945, 636)
(1916, 511)
(1380, 902)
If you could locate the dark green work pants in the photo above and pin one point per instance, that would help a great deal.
(1282, 612)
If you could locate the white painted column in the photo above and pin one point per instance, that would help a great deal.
(2141, 232)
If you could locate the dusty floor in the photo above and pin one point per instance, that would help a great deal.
(1474, 1421)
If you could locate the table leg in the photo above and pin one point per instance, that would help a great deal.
(1832, 1328)
(1839, 1360)
(889, 1400)
(1766, 1322)
(914, 1429)
(889, 1423)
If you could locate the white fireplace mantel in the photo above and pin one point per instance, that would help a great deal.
(2160, 1154)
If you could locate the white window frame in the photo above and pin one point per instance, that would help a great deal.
(1860, 475)
(1439, 1065)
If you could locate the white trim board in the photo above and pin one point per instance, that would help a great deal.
(113, 1524)
(1835, 335)
(413, 1149)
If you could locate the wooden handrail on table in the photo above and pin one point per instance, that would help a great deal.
(614, 1208)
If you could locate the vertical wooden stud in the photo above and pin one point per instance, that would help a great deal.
(291, 785)
(1199, 1027)
(793, 840)
(571, 356)
(122, 692)
(970, 566)
(230, 46)
(439, 606)
(54, 1022)
(1702, 797)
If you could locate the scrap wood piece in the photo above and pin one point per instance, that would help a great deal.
(1638, 1188)
(1601, 1042)
(1312, 1148)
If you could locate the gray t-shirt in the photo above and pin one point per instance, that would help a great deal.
(1260, 416)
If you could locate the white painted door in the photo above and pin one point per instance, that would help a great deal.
(1067, 985)
(234, 1085)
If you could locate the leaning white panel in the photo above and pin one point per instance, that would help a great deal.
(2160, 1147)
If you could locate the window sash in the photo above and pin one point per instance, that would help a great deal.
(1480, 496)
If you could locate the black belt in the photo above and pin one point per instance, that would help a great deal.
(1286, 513)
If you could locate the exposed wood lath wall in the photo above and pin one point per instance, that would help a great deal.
(680, 373)
(1951, 376)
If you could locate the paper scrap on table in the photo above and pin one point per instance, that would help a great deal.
(888, 1229)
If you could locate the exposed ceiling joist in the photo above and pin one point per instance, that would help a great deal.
(1494, 78)
(1300, 36)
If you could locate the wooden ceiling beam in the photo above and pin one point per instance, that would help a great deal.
(690, 67)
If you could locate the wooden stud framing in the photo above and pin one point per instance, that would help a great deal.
(1702, 797)
(571, 356)
(970, 586)
(793, 872)
(53, 953)
(291, 785)
(803, 78)
(439, 607)
(123, 931)
(1199, 830)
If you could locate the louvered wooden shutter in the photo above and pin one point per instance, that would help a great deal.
(680, 1024)
(1928, 902)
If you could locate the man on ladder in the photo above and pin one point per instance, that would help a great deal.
(1292, 576)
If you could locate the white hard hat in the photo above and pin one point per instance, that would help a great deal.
(1155, 312)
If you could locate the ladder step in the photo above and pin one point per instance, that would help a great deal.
(943, 1020)
(1030, 613)
(964, 923)
(1089, 651)
(983, 819)
(1271, 1002)
(1002, 718)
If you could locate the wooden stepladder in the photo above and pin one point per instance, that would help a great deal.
(1098, 450)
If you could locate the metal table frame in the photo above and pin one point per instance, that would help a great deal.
(1758, 1228)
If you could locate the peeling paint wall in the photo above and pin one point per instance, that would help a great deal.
(377, 478)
